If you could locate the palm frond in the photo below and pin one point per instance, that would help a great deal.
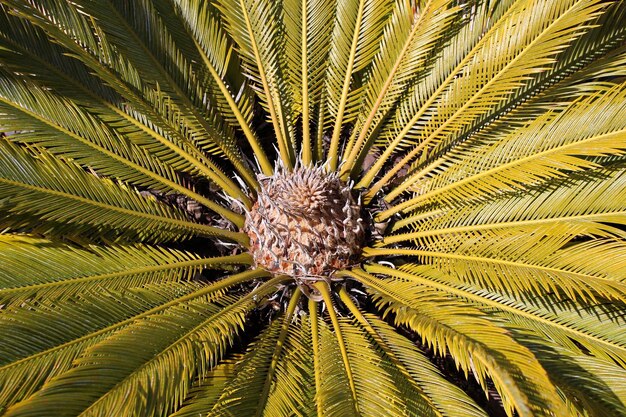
(256, 28)
(407, 43)
(235, 98)
(238, 397)
(206, 391)
(103, 58)
(196, 328)
(293, 389)
(61, 199)
(575, 213)
(594, 386)
(595, 330)
(487, 76)
(575, 87)
(58, 271)
(531, 158)
(334, 396)
(307, 62)
(57, 124)
(413, 104)
(428, 390)
(43, 344)
(358, 26)
(475, 343)
(168, 62)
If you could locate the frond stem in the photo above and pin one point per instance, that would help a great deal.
(334, 142)
(280, 128)
(284, 330)
(520, 223)
(324, 290)
(240, 259)
(315, 337)
(265, 164)
(469, 295)
(618, 136)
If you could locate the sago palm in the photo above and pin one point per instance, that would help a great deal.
(312, 207)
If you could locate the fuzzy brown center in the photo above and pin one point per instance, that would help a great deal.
(305, 224)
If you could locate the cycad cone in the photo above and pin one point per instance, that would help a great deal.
(304, 223)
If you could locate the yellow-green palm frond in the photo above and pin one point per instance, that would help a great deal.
(155, 120)
(45, 119)
(491, 82)
(58, 271)
(402, 57)
(487, 350)
(182, 322)
(61, 199)
(255, 27)
(205, 393)
(312, 207)
(527, 157)
(357, 28)
(307, 61)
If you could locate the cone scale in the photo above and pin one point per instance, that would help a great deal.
(305, 224)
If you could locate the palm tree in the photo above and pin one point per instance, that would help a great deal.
(301, 207)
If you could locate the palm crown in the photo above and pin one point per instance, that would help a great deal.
(479, 143)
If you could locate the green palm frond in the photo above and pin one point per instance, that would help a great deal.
(426, 393)
(255, 27)
(61, 199)
(357, 28)
(307, 63)
(163, 138)
(530, 157)
(431, 140)
(44, 119)
(404, 50)
(312, 207)
(58, 271)
(215, 51)
(206, 392)
(486, 350)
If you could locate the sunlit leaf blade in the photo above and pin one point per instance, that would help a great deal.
(59, 198)
(255, 26)
(194, 329)
(57, 271)
(487, 350)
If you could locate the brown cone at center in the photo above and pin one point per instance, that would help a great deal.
(305, 224)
